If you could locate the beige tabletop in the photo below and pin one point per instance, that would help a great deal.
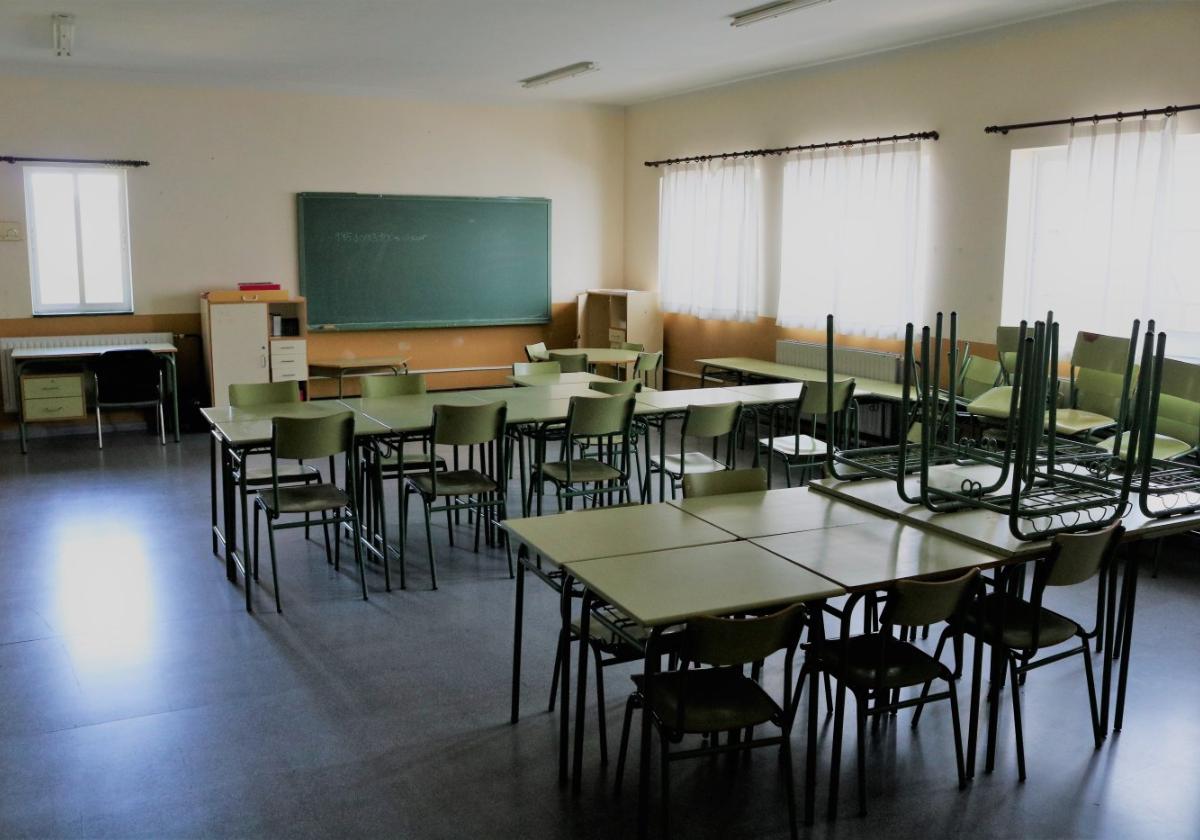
(574, 536)
(25, 354)
(767, 392)
(872, 556)
(255, 432)
(598, 355)
(681, 399)
(336, 366)
(864, 388)
(767, 512)
(411, 413)
(265, 411)
(535, 379)
(666, 587)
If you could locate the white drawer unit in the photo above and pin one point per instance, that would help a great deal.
(289, 360)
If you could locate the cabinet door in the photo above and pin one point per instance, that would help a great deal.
(239, 346)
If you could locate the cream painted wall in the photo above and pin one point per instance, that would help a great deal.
(1127, 55)
(217, 204)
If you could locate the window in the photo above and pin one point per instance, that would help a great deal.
(709, 239)
(851, 239)
(1107, 229)
(78, 240)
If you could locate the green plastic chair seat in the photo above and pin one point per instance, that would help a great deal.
(1075, 421)
(455, 483)
(718, 700)
(305, 498)
(1019, 616)
(802, 446)
(857, 659)
(587, 469)
(993, 403)
(259, 476)
(412, 460)
(695, 462)
(1165, 448)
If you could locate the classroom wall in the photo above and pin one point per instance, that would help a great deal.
(1125, 55)
(217, 204)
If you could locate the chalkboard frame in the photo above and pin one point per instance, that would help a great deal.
(543, 318)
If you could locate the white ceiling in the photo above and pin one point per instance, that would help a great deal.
(475, 49)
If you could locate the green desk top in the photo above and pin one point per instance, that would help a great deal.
(761, 367)
(599, 355)
(873, 556)
(258, 432)
(768, 512)
(679, 400)
(574, 536)
(315, 408)
(533, 379)
(667, 587)
(411, 413)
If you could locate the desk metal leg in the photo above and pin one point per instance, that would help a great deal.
(1110, 617)
(212, 486)
(247, 560)
(585, 622)
(650, 668)
(18, 368)
(228, 508)
(174, 377)
(564, 678)
(1129, 595)
(518, 626)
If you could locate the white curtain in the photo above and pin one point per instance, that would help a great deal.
(709, 239)
(852, 239)
(1090, 231)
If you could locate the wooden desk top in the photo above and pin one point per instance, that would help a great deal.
(341, 365)
(24, 354)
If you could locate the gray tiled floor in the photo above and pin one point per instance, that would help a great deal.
(137, 698)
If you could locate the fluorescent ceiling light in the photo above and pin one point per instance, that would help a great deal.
(561, 73)
(63, 32)
(772, 10)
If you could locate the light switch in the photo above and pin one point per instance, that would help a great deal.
(11, 232)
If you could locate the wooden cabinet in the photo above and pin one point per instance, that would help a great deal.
(239, 346)
(57, 396)
(610, 317)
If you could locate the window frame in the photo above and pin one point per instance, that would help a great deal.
(82, 307)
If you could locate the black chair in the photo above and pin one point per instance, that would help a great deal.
(128, 379)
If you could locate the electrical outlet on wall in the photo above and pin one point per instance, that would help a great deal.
(11, 232)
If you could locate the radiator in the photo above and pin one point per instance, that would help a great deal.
(865, 364)
(868, 364)
(8, 373)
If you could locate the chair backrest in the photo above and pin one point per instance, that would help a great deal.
(813, 400)
(917, 603)
(570, 362)
(1078, 557)
(536, 352)
(260, 393)
(529, 368)
(711, 421)
(1179, 401)
(127, 376)
(633, 345)
(722, 483)
(468, 425)
(647, 367)
(299, 438)
(397, 385)
(1100, 352)
(1008, 339)
(1098, 391)
(624, 386)
(599, 416)
(737, 641)
(979, 376)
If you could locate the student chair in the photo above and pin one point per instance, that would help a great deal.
(711, 694)
(570, 362)
(648, 369)
(876, 666)
(305, 438)
(531, 368)
(704, 422)
(388, 460)
(806, 452)
(1097, 377)
(1007, 341)
(536, 352)
(746, 480)
(128, 379)
(1017, 630)
(600, 423)
(635, 346)
(638, 428)
(482, 490)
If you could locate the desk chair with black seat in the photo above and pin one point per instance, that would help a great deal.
(876, 666)
(600, 423)
(389, 460)
(570, 362)
(1018, 630)
(308, 438)
(806, 452)
(720, 698)
(702, 422)
(483, 490)
(128, 379)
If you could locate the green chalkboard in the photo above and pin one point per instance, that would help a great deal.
(400, 261)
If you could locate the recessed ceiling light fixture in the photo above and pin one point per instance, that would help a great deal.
(772, 10)
(63, 32)
(567, 72)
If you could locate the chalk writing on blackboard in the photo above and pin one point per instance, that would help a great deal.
(379, 236)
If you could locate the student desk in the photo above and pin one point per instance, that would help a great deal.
(768, 512)
(743, 366)
(535, 379)
(341, 368)
(595, 355)
(237, 433)
(27, 356)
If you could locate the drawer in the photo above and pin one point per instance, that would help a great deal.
(299, 346)
(54, 408)
(299, 374)
(288, 364)
(35, 387)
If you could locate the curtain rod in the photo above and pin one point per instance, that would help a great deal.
(130, 163)
(918, 135)
(1169, 111)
